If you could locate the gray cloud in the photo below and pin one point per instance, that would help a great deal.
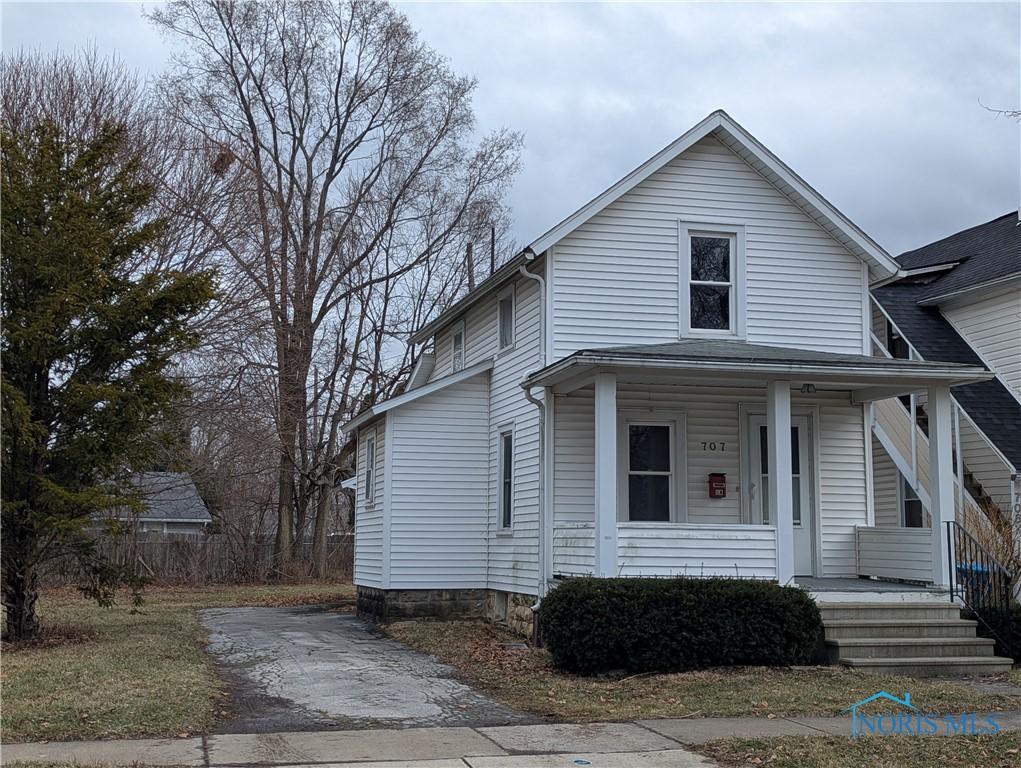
(877, 106)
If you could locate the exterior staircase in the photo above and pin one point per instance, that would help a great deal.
(919, 639)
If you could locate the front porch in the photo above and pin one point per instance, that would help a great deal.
(731, 459)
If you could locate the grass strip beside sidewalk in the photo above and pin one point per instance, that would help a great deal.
(109, 673)
(524, 678)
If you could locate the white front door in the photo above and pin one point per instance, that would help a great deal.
(802, 471)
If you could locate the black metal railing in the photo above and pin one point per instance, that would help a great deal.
(984, 584)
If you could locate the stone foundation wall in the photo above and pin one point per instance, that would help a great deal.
(398, 604)
(509, 608)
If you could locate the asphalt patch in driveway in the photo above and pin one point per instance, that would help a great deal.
(305, 668)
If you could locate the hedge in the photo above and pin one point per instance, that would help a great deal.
(658, 625)
(1005, 626)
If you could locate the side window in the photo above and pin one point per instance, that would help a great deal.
(914, 512)
(457, 348)
(370, 467)
(505, 319)
(506, 459)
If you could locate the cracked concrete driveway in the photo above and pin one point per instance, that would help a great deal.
(306, 668)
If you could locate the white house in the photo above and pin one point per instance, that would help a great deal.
(611, 401)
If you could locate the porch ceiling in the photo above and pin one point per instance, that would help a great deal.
(740, 363)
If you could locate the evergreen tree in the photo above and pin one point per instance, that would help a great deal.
(87, 338)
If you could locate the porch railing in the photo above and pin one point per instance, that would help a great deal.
(976, 577)
(671, 549)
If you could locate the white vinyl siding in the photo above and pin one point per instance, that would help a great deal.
(992, 326)
(369, 513)
(885, 477)
(615, 278)
(712, 416)
(513, 553)
(438, 489)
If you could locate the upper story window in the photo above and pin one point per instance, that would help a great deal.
(712, 280)
(505, 318)
(457, 347)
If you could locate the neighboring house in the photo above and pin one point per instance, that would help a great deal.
(172, 505)
(957, 299)
(611, 401)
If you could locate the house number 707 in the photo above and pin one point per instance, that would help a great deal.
(713, 446)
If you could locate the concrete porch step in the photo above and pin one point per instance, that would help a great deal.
(946, 666)
(838, 629)
(909, 647)
(890, 611)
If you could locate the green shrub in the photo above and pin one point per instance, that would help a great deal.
(659, 625)
(1004, 626)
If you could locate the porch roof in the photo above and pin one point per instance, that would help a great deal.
(871, 378)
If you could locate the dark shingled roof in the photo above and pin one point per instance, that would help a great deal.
(170, 496)
(987, 252)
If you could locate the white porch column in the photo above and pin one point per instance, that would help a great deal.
(941, 479)
(781, 503)
(606, 475)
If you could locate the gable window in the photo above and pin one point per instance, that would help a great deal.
(457, 348)
(505, 319)
(711, 286)
(712, 280)
(506, 459)
(370, 466)
(650, 472)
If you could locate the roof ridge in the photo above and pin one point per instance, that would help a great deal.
(924, 246)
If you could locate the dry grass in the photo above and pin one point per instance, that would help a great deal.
(524, 678)
(114, 673)
(1000, 751)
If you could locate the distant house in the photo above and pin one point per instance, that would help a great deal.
(172, 504)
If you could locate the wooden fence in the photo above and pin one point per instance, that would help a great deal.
(196, 559)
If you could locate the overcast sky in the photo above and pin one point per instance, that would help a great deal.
(878, 106)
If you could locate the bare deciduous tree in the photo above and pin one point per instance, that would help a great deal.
(347, 181)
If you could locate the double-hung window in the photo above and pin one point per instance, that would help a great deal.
(457, 347)
(505, 318)
(712, 280)
(506, 461)
(650, 471)
(370, 467)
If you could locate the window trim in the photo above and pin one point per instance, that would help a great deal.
(508, 291)
(738, 311)
(902, 498)
(458, 328)
(369, 470)
(677, 421)
(504, 505)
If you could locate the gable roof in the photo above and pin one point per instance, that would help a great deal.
(374, 411)
(976, 257)
(168, 496)
(989, 404)
(774, 170)
(747, 147)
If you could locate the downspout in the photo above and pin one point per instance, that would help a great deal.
(541, 554)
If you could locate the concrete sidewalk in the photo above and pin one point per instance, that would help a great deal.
(650, 743)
